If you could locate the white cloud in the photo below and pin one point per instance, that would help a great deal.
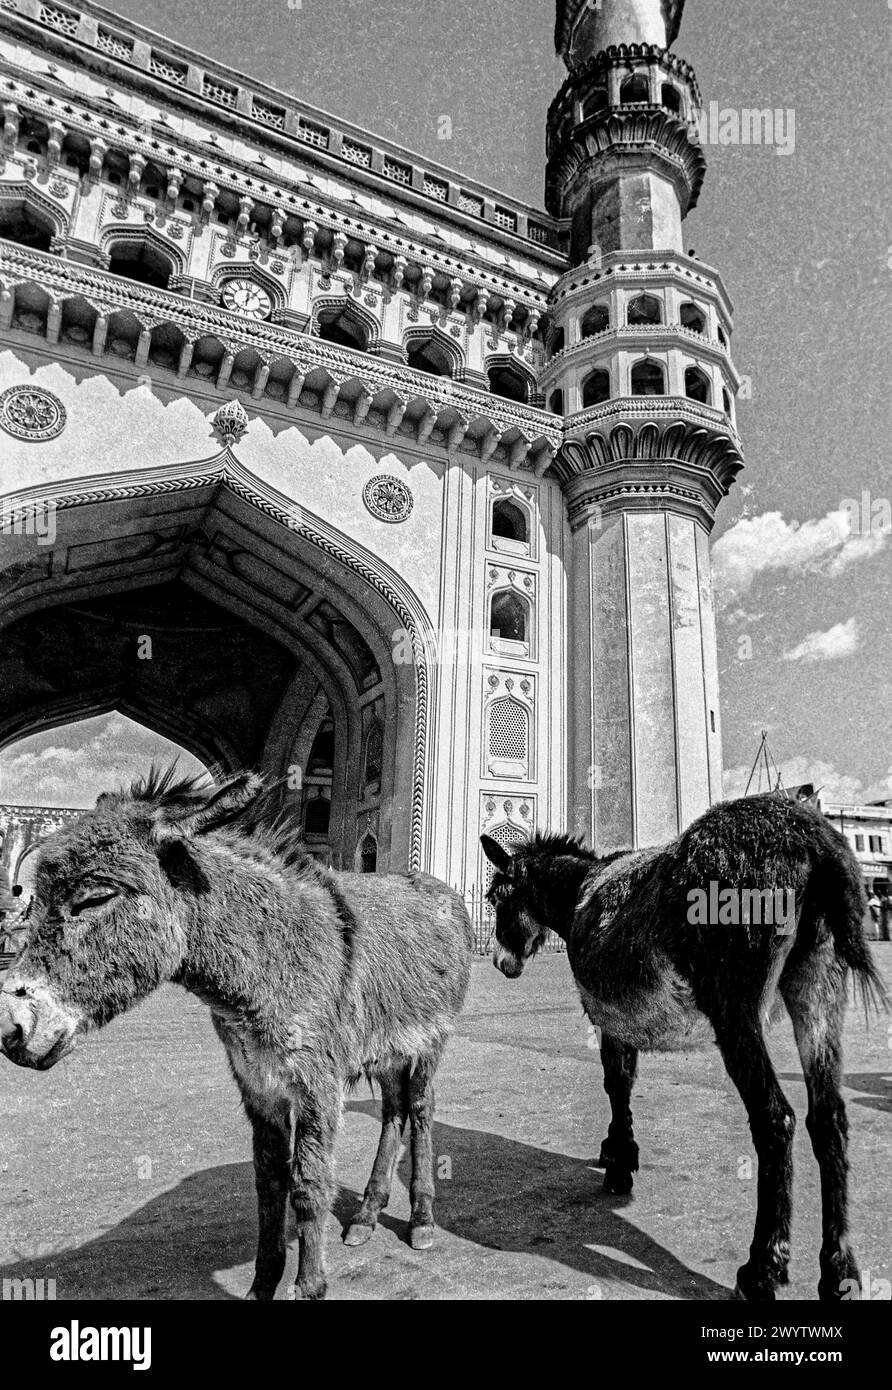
(757, 545)
(838, 641)
(71, 766)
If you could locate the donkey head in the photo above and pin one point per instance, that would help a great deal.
(115, 895)
(513, 893)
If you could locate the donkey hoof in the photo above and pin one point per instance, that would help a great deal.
(755, 1287)
(618, 1182)
(358, 1234)
(256, 1295)
(421, 1237)
(308, 1292)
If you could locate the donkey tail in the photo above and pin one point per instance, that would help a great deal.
(840, 891)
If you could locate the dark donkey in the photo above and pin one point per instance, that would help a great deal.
(313, 979)
(659, 968)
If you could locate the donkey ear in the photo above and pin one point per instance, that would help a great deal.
(495, 853)
(225, 803)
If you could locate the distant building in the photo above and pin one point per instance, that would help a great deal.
(868, 830)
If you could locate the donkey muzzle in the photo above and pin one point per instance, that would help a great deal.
(35, 1029)
(510, 965)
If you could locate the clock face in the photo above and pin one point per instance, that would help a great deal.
(244, 297)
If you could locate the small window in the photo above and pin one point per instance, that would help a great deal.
(712, 720)
(670, 97)
(374, 753)
(508, 617)
(317, 816)
(506, 381)
(596, 388)
(595, 101)
(368, 855)
(509, 731)
(634, 89)
(595, 321)
(510, 521)
(876, 844)
(859, 844)
(648, 378)
(322, 754)
(556, 342)
(556, 402)
(693, 318)
(722, 339)
(339, 326)
(646, 308)
(696, 385)
(726, 402)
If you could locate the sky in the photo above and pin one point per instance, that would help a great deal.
(802, 548)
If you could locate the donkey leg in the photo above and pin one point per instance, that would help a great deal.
(312, 1183)
(816, 998)
(619, 1152)
(394, 1109)
(421, 1119)
(272, 1156)
(772, 1124)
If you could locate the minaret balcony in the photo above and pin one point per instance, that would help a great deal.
(641, 337)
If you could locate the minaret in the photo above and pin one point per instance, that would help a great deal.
(640, 368)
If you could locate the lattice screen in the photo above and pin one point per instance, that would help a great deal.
(509, 730)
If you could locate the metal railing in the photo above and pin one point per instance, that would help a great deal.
(484, 923)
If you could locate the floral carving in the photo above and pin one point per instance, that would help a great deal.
(387, 498)
(31, 412)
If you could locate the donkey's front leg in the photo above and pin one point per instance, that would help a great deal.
(421, 1119)
(772, 1124)
(316, 1123)
(619, 1152)
(272, 1157)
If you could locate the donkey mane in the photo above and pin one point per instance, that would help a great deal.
(167, 786)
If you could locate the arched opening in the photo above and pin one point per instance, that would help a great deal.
(508, 743)
(721, 334)
(556, 402)
(696, 385)
(594, 102)
(62, 770)
(693, 318)
(317, 816)
(670, 97)
(556, 341)
(22, 223)
(726, 402)
(509, 615)
(140, 261)
(428, 354)
(368, 854)
(596, 388)
(508, 381)
(338, 325)
(644, 309)
(510, 521)
(634, 89)
(597, 320)
(648, 378)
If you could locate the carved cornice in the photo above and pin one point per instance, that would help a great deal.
(454, 406)
(619, 138)
(626, 56)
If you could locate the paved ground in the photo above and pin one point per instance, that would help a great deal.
(126, 1171)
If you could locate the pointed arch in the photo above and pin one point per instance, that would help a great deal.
(438, 347)
(332, 308)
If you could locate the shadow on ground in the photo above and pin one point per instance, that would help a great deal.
(519, 1199)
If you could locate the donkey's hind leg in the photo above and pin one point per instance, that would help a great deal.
(815, 995)
(394, 1110)
(772, 1124)
(421, 1118)
(316, 1122)
(619, 1152)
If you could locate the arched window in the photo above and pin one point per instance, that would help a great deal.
(339, 326)
(670, 97)
(507, 381)
(368, 855)
(140, 261)
(509, 731)
(693, 318)
(374, 753)
(556, 342)
(322, 753)
(556, 402)
(26, 226)
(696, 385)
(726, 402)
(648, 378)
(509, 617)
(596, 388)
(722, 339)
(595, 321)
(429, 355)
(595, 101)
(646, 308)
(317, 816)
(635, 88)
(510, 521)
